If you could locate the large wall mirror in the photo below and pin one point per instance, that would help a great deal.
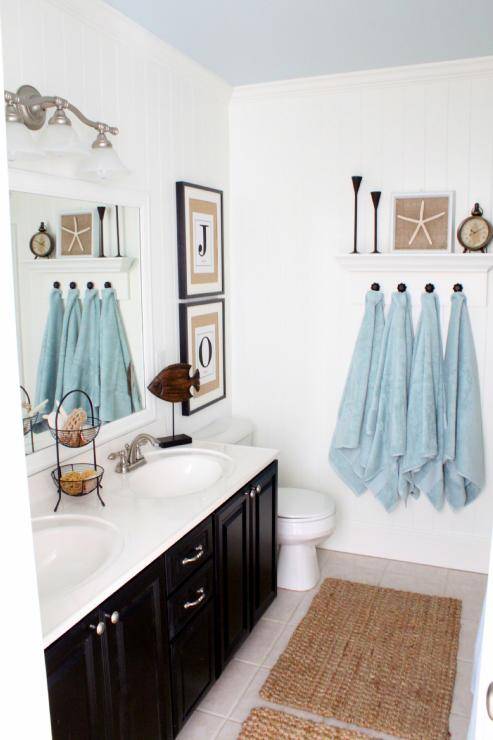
(79, 273)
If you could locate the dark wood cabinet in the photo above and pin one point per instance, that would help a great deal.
(193, 664)
(137, 647)
(75, 683)
(246, 560)
(138, 665)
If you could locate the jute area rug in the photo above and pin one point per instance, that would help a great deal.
(372, 657)
(268, 724)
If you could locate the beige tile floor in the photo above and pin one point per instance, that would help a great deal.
(220, 714)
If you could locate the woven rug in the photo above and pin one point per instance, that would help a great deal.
(372, 657)
(268, 724)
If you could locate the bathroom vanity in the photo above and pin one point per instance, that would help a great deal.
(139, 661)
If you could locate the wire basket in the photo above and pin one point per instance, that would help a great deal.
(78, 479)
(28, 422)
(87, 433)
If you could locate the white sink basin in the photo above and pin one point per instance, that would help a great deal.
(70, 549)
(179, 473)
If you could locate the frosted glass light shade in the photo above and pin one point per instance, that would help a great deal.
(62, 141)
(20, 143)
(103, 163)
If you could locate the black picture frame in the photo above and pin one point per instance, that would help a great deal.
(184, 354)
(183, 253)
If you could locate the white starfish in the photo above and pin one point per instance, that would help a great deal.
(421, 223)
(75, 235)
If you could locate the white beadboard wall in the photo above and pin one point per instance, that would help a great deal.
(173, 117)
(296, 312)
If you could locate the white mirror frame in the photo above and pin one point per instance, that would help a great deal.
(41, 184)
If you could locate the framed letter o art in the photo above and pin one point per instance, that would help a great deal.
(199, 215)
(202, 346)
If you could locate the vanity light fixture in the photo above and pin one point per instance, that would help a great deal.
(26, 111)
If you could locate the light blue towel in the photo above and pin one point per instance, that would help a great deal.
(351, 442)
(68, 344)
(84, 373)
(119, 391)
(50, 352)
(464, 447)
(423, 461)
(388, 408)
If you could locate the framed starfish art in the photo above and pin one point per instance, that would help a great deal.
(422, 222)
(77, 234)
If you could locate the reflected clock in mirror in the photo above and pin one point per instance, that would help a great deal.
(65, 339)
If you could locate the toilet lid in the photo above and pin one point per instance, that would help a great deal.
(300, 503)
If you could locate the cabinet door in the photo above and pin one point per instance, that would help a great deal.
(192, 664)
(140, 693)
(73, 666)
(264, 541)
(232, 523)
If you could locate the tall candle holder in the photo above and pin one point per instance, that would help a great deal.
(375, 196)
(356, 185)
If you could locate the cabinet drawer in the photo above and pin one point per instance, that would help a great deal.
(189, 554)
(190, 598)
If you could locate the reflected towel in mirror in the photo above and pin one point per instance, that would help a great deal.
(50, 352)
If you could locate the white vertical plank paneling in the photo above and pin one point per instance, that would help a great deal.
(11, 43)
(54, 51)
(481, 138)
(392, 158)
(91, 47)
(414, 137)
(459, 147)
(33, 68)
(436, 135)
(110, 111)
(72, 36)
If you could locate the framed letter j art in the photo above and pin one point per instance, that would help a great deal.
(199, 213)
(202, 346)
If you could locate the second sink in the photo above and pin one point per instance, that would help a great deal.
(179, 473)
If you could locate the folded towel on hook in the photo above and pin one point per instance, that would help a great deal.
(464, 446)
(85, 371)
(68, 342)
(351, 442)
(120, 394)
(426, 420)
(50, 352)
(388, 408)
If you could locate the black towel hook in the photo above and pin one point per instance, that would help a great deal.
(73, 285)
(429, 287)
(90, 285)
(107, 284)
(56, 284)
(375, 286)
(402, 287)
(458, 288)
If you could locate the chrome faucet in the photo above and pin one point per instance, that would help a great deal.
(131, 457)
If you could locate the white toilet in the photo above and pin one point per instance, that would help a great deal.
(304, 518)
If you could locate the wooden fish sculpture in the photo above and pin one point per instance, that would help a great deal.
(174, 382)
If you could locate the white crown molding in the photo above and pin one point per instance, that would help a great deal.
(377, 263)
(103, 18)
(388, 76)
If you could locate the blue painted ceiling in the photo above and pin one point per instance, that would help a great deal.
(251, 41)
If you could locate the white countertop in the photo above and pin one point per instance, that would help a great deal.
(149, 527)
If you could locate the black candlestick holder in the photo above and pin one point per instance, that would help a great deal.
(356, 185)
(375, 196)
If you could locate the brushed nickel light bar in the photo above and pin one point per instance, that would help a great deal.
(28, 107)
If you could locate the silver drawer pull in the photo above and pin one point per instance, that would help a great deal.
(199, 553)
(199, 600)
(489, 701)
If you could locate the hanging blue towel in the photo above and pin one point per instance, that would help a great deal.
(84, 373)
(68, 343)
(464, 447)
(351, 442)
(388, 408)
(426, 420)
(50, 352)
(119, 390)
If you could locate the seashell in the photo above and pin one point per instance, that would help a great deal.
(51, 417)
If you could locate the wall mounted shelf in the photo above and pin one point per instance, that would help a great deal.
(86, 265)
(426, 263)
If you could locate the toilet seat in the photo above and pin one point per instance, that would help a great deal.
(301, 504)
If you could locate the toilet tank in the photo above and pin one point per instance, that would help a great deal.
(228, 429)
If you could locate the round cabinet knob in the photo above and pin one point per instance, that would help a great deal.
(489, 701)
(99, 627)
(252, 492)
(114, 617)
(258, 488)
